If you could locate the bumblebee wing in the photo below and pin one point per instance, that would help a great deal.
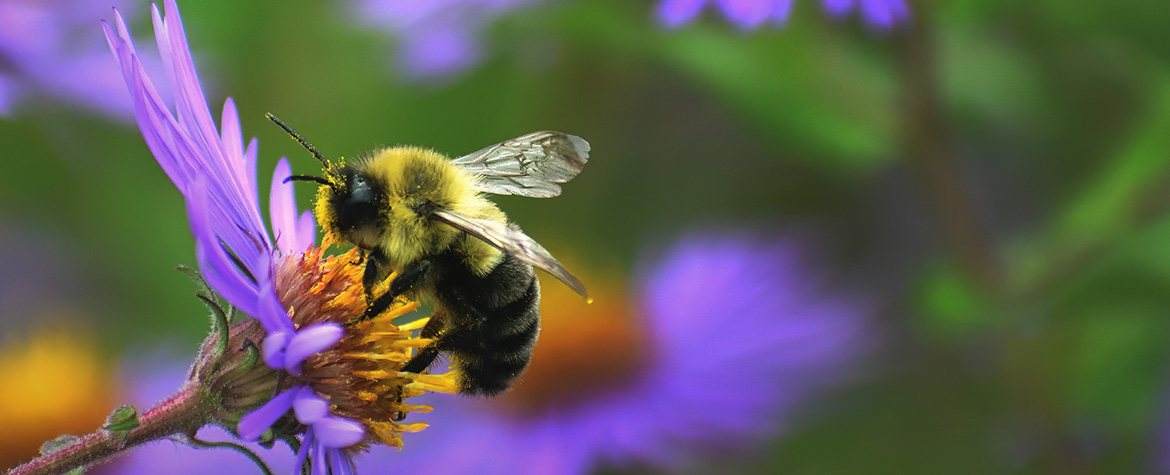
(512, 241)
(530, 165)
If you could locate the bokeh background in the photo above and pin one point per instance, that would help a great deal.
(990, 176)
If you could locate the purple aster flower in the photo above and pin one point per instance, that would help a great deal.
(298, 297)
(726, 338)
(751, 14)
(50, 49)
(437, 38)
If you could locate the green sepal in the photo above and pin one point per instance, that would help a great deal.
(220, 317)
(219, 324)
(250, 358)
(197, 277)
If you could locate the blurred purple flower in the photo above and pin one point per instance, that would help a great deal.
(437, 38)
(52, 49)
(739, 332)
(216, 175)
(751, 14)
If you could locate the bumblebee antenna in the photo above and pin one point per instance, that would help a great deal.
(304, 143)
(317, 179)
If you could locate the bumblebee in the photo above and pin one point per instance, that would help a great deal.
(415, 212)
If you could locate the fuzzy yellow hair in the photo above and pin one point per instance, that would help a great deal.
(409, 176)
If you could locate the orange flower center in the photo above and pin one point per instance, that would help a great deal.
(359, 375)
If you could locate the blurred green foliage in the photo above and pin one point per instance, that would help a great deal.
(1058, 115)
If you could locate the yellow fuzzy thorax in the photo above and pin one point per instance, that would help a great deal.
(409, 176)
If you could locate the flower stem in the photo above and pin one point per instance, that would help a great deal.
(933, 158)
(182, 413)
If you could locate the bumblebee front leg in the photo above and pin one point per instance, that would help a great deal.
(403, 283)
(371, 275)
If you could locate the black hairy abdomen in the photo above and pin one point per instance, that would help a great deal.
(493, 320)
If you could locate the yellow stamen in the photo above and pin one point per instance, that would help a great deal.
(374, 375)
(394, 357)
(415, 325)
(359, 376)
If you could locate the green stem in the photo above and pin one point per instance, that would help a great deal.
(182, 413)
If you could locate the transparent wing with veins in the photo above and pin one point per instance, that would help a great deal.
(531, 165)
(512, 241)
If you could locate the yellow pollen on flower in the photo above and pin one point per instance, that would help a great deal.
(375, 356)
(375, 375)
(415, 325)
(439, 383)
(411, 343)
(360, 375)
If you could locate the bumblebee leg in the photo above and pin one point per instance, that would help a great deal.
(452, 340)
(427, 354)
(370, 278)
(423, 360)
(401, 284)
(434, 325)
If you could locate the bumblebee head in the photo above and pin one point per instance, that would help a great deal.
(347, 202)
(386, 200)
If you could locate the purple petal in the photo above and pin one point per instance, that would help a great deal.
(306, 232)
(883, 14)
(320, 459)
(746, 14)
(46, 51)
(338, 432)
(307, 443)
(233, 143)
(440, 50)
(340, 463)
(214, 262)
(271, 314)
(273, 348)
(250, 168)
(256, 422)
(187, 143)
(283, 209)
(7, 95)
(838, 8)
(781, 12)
(309, 407)
(310, 341)
(676, 13)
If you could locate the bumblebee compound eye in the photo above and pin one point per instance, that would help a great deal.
(360, 206)
(360, 190)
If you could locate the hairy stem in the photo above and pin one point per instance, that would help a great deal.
(182, 413)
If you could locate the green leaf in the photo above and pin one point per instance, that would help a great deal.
(123, 419)
(58, 443)
(1116, 200)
